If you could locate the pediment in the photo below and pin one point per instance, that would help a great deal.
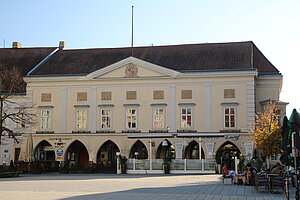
(132, 68)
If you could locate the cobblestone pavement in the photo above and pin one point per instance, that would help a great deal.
(131, 187)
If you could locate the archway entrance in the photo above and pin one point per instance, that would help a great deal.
(44, 154)
(107, 158)
(226, 153)
(192, 151)
(165, 150)
(138, 150)
(77, 156)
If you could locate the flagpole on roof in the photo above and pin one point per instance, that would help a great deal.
(132, 30)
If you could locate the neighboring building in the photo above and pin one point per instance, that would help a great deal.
(24, 59)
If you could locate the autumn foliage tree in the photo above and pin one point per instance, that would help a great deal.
(11, 83)
(265, 133)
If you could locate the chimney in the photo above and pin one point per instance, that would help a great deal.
(16, 45)
(62, 45)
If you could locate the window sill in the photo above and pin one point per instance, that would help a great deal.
(44, 132)
(230, 131)
(158, 131)
(187, 131)
(131, 131)
(105, 131)
(81, 131)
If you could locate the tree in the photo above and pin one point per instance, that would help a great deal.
(11, 84)
(265, 133)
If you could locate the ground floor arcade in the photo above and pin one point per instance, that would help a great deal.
(102, 150)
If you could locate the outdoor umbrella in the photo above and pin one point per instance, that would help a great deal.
(29, 148)
(285, 142)
(295, 127)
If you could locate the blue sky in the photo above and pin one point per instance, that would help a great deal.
(273, 25)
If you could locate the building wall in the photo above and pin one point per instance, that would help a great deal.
(208, 103)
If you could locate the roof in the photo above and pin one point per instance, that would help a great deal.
(183, 58)
(23, 58)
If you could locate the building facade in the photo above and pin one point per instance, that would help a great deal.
(182, 101)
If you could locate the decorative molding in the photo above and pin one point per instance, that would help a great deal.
(81, 106)
(133, 104)
(106, 105)
(45, 107)
(186, 104)
(158, 104)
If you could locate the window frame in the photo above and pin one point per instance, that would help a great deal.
(163, 115)
(100, 118)
(192, 117)
(235, 117)
(76, 117)
(41, 119)
(126, 119)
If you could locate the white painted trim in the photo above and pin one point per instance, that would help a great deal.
(100, 118)
(135, 61)
(144, 84)
(235, 116)
(137, 117)
(87, 119)
(40, 119)
(164, 117)
(168, 72)
(192, 116)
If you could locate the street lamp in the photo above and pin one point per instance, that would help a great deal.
(136, 154)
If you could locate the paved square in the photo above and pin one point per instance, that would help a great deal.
(111, 186)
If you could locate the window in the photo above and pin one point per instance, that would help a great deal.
(105, 117)
(131, 118)
(186, 118)
(20, 122)
(158, 118)
(81, 118)
(229, 117)
(45, 122)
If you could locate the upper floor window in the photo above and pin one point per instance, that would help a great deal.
(45, 119)
(105, 118)
(229, 117)
(81, 118)
(158, 118)
(131, 118)
(186, 117)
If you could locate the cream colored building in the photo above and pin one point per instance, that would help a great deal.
(93, 103)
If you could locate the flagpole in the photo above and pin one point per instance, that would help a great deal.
(132, 30)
